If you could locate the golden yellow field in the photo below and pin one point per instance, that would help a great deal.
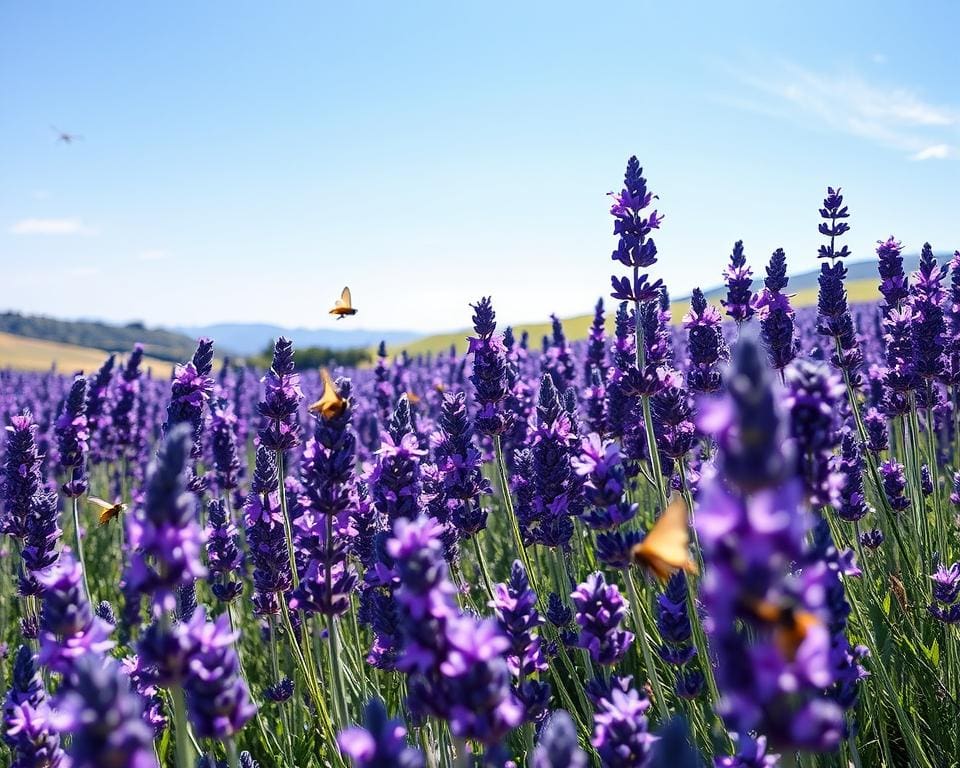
(25, 354)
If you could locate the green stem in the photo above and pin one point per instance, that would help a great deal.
(934, 465)
(637, 613)
(287, 525)
(641, 359)
(78, 539)
(336, 674)
(233, 759)
(484, 573)
(284, 715)
(514, 523)
(184, 750)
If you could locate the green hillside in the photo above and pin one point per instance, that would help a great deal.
(161, 344)
(577, 327)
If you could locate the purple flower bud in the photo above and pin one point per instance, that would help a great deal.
(103, 716)
(380, 742)
(558, 746)
(620, 730)
(600, 610)
(218, 701)
(69, 629)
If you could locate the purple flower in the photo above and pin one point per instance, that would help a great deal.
(751, 753)
(143, 683)
(223, 436)
(673, 621)
(266, 537)
(103, 717)
(380, 742)
(929, 327)
(813, 397)
(850, 466)
(218, 701)
(752, 535)
(604, 484)
(596, 347)
(747, 423)
(615, 548)
(706, 344)
(558, 746)
(98, 409)
(125, 415)
(739, 279)
(164, 530)
(281, 400)
(223, 553)
(28, 729)
(280, 691)
(514, 605)
(455, 661)
(329, 494)
(635, 248)
(776, 315)
(557, 488)
(600, 610)
(620, 730)
(189, 391)
(946, 583)
(877, 437)
(43, 532)
(72, 439)
(395, 481)
(894, 485)
(22, 478)
(489, 370)
(893, 285)
(459, 465)
(69, 630)
(834, 212)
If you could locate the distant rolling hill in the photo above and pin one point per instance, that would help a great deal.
(24, 354)
(158, 343)
(253, 338)
(862, 281)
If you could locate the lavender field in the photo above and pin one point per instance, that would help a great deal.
(731, 542)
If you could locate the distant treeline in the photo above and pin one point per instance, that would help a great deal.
(315, 357)
(165, 345)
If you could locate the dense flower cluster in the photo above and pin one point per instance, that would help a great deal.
(421, 562)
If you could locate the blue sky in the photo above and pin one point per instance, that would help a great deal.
(242, 161)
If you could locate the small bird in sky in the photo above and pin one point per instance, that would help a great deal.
(64, 136)
(344, 305)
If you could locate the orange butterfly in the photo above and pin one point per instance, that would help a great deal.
(108, 511)
(330, 404)
(790, 626)
(344, 305)
(666, 548)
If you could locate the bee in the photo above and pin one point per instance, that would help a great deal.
(666, 548)
(790, 626)
(108, 511)
(330, 405)
(413, 398)
(344, 305)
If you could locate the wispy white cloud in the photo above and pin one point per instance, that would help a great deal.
(893, 117)
(66, 226)
(153, 254)
(935, 152)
